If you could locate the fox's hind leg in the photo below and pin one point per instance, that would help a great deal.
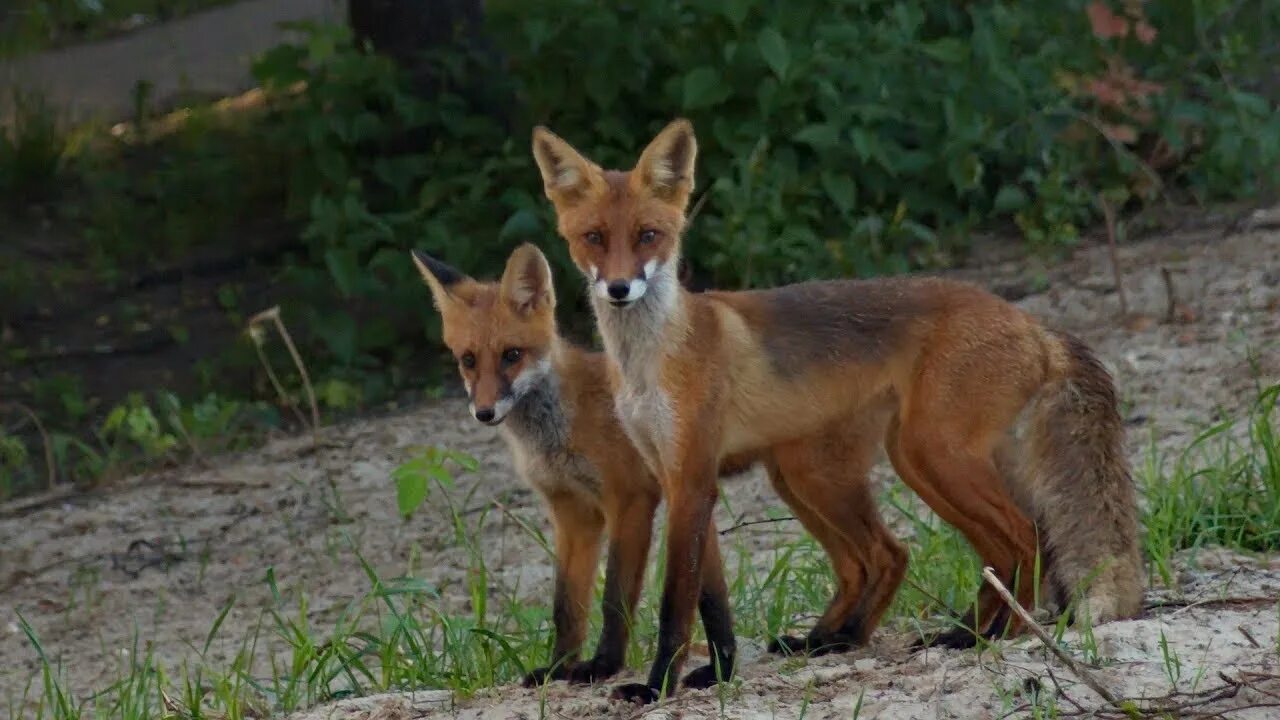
(952, 468)
(848, 568)
(824, 481)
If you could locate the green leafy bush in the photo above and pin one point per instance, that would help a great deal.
(836, 138)
(367, 200)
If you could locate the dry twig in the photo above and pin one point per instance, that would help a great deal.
(1030, 622)
(272, 315)
(749, 523)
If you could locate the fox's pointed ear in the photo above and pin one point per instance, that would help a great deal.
(567, 176)
(526, 283)
(666, 167)
(447, 284)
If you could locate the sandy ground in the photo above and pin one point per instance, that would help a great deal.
(76, 569)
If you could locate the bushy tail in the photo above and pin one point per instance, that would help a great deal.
(1081, 491)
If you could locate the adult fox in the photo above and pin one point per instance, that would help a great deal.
(555, 404)
(940, 371)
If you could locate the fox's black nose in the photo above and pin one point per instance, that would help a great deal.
(619, 289)
(484, 414)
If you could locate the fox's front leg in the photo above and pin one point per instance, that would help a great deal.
(691, 497)
(630, 527)
(578, 526)
(717, 618)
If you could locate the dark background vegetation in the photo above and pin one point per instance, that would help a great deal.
(837, 138)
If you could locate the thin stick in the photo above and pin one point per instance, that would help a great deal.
(306, 378)
(1080, 671)
(49, 461)
(273, 315)
(271, 375)
(697, 207)
(726, 531)
(1248, 636)
(1110, 216)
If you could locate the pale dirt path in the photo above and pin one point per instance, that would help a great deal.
(67, 569)
(208, 53)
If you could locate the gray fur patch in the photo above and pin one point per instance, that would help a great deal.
(838, 321)
(538, 430)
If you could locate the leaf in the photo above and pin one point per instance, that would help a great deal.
(411, 491)
(774, 49)
(521, 224)
(344, 269)
(841, 189)
(512, 656)
(703, 88)
(1250, 102)
(822, 136)
(441, 475)
(340, 334)
(1010, 199)
(947, 50)
(465, 461)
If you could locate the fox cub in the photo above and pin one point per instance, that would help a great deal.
(553, 403)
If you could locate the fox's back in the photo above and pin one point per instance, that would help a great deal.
(836, 343)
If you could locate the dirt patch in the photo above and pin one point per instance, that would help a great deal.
(158, 556)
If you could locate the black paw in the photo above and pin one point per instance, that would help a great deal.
(637, 693)
(789, 645)
(593, 670)
(813, 646)
(833, 644)
(706, 676)
(957, 639)
(543, 675)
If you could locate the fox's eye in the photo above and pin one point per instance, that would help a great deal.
(511, 356)
(594, 238)
(648, 236)
(468, 360)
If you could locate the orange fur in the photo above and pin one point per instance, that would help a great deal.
(939, 370)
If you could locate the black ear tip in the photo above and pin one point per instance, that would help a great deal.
(445, 274)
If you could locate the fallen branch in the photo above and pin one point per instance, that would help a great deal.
(1072, 664)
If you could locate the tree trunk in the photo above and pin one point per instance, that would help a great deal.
(411, 31)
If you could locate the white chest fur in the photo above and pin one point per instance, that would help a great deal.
(633, 339)
(646, 417)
